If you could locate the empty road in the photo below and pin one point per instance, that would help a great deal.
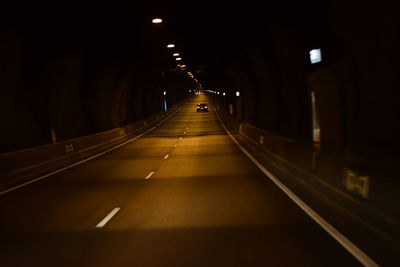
(182, 195)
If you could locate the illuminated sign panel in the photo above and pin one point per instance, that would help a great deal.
(315, 56)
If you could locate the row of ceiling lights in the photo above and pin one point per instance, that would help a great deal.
(315, 56)
(178, 58)
(237, 93)
(176, 55)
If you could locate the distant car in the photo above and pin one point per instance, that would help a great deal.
(202, 107)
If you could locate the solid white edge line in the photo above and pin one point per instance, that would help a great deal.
(108, 218)
(87, 159)
(332, 231)
(150, 174)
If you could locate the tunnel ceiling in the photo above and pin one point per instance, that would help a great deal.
(211, 34)
(208, 34)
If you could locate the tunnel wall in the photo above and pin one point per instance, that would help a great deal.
(356, 83)
(365, 55)
(354, 164)
(23, 166)
(71, 78)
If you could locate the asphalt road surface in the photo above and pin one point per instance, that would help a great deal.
(181, 195)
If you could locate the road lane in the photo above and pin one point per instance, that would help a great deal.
(206, 205)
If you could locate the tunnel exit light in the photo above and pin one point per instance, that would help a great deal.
(315, 56)
(237, 93)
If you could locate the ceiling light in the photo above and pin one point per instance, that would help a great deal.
(157, 20)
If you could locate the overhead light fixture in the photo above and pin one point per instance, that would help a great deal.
(237, 93)
(171, 46)
(176, 54)
(178, 58)
(157, 21)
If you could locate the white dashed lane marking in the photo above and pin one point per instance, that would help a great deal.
(149, 175)
(108, 218)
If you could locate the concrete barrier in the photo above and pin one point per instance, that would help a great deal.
(24, 165)
(296, 153)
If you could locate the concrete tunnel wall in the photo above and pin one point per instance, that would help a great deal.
(72, 80)
(357, 82)
(356, 88)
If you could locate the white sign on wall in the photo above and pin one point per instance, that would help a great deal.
(315, 56)
(357, 184)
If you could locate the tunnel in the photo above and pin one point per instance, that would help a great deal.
(294, 163)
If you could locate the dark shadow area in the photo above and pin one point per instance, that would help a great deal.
(176, 246)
